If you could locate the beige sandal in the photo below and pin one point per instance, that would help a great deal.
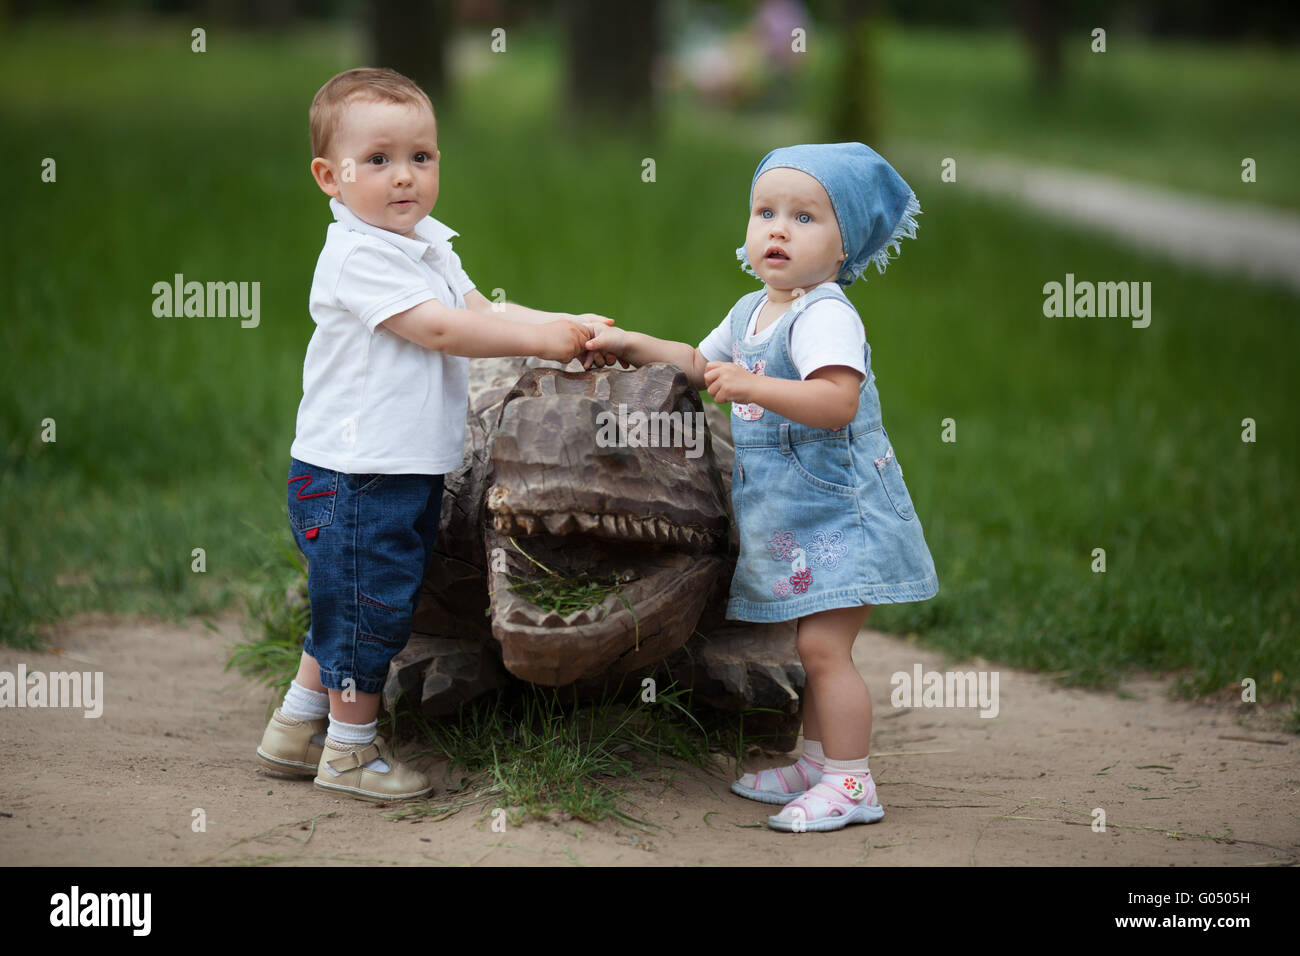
(287, 746)
(351, 778)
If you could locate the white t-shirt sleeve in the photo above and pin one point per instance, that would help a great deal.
(828, 333)
(716, 346)
(377, 281)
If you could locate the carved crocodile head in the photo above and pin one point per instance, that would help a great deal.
(607, 472)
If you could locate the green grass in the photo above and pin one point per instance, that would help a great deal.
(1072, 434)
(534, 753)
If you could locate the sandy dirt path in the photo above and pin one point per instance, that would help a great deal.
(178, 733)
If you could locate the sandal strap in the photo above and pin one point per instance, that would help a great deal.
(807, 778)
(837, 801)
(758, 781)
(354, 758)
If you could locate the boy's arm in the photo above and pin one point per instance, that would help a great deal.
(513, 312)
(434, 326)
(476, 301)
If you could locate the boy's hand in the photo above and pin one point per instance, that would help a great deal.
(562, 340)
(728, 382)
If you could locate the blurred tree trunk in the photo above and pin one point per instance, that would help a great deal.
(611, 56)
(410, 36)
(1041, 22)
(246, 14)
(855, 112)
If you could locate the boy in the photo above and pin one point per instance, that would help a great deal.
(382, 420)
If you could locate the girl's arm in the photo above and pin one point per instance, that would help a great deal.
(828, 398)
(637, 348)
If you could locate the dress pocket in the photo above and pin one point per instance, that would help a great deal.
(312, 493)
(820, 464)
(891, 476)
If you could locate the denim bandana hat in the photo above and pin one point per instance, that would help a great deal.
(874, 206)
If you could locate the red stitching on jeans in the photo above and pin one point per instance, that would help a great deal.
(306, 479)
(369, 600)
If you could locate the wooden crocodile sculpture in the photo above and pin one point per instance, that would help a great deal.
(554, 480)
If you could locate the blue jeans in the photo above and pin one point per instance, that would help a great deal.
(368, 541)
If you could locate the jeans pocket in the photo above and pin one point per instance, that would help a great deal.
(367, 482)
(312, 493)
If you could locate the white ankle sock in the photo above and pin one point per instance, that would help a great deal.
(811, 762)
(303, 704)
(360, 735)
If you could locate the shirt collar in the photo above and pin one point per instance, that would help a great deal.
(429, 230)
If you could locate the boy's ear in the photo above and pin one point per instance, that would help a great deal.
(323, 172)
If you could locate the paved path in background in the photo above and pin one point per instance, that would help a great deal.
(1226, 236)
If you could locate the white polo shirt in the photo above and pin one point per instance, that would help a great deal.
(372, 401)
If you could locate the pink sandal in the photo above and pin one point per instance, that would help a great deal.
(776, 790)
(831, 806)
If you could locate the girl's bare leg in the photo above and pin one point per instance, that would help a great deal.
(837, 705)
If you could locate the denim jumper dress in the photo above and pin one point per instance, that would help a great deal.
(824, 518)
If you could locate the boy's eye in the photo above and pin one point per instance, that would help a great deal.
(377, 156)
(803, 217)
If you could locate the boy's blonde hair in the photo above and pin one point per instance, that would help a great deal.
(365, 83)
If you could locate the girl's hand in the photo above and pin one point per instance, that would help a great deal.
(728, 382)
(607, 344)
(595, 325)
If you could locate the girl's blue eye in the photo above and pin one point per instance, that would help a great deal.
(766, 214)
(803, 217)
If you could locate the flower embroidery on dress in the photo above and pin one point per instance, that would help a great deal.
(826, 549)
(781, 589)
(800, 581)
(747, 411)
(782, 545)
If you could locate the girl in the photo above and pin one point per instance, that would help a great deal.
(826, 524)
